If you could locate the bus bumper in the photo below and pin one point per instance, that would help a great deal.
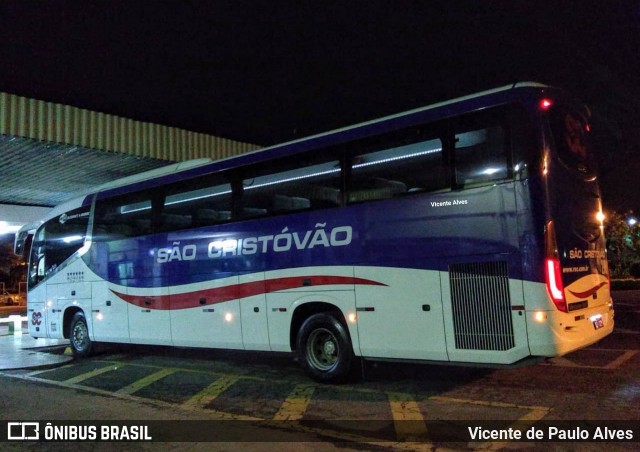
(555, 333)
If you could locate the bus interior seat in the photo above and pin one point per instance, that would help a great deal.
(207, 217)
(378, 188)
(396, 187)
(119, 230)
(251, 212)
(287, 203)
(325, 196)
(144, 226)
(171, 222)
(370, 195)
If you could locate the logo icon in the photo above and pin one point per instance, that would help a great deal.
(23, 431)
(35, 318)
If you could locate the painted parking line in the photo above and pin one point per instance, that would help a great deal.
(404, 408)
(533, 413)
(296, 404)
(488, 403)
(146, 381)
(619, 330)
(85, 376)
(209, 394)
(562, 361)
(626, 356)
(530, 418)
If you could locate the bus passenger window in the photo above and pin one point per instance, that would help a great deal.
(292, 189)
(480, 156)
(397, 171)
(204, 201)
(481, 149)
(122, 217)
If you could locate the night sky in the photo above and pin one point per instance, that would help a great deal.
(270, 71)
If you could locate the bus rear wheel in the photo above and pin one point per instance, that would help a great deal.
(81, 344)
(324, 348)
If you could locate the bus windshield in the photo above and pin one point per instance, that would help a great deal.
(55, 242)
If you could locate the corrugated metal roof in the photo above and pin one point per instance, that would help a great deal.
(49, 152)
(45, 174)
(46, 121)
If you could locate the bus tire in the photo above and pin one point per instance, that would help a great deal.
(324, 348)
(81, 344)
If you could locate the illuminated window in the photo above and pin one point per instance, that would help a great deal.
(481, 152)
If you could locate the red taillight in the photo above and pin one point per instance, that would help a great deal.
(552, 270)
(554, 283)
(545, 104)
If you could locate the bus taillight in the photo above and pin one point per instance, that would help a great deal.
(552, 270)
(554, 283)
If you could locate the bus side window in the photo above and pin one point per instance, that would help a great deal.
(481, 152)
(398, 171)
(122, 217)
(204, 201)
(288, 187)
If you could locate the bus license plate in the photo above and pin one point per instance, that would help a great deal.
(598, 323)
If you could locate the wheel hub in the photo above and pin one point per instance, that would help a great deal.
(329, 347)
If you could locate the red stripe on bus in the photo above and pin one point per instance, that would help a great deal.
(588, 293)
(235, 291)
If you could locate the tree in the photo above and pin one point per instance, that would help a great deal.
(8, 261)
(623, 244)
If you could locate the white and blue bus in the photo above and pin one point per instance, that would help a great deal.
(465, 231)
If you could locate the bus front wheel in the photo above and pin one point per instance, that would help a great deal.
(79, 336)
(324, 348)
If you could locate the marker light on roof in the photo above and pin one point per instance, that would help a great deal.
(545, 104)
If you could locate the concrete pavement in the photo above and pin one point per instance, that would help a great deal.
(21, 351)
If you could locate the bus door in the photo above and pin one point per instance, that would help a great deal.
(37, 289)
(55, 264)
(52, 316)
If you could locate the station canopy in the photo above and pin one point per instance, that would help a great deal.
(50, 153)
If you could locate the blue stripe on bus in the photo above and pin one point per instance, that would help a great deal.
(402, 233)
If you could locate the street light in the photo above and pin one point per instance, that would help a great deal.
(632, 221)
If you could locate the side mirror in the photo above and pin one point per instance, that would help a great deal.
(22, 244)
